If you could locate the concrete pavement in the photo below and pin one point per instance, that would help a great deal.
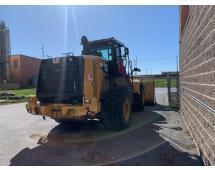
(157, 136)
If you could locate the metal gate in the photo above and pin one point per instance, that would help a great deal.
(173, 90)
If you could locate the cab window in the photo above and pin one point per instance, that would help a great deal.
(118, 52)
(105, 54)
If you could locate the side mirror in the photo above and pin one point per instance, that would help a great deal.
(126, 51)
(136, 69)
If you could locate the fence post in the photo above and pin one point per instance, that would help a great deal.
(168, 89)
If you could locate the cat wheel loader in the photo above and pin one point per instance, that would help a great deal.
(96, 85)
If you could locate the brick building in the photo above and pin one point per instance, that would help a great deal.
(24, 70)
(197, 76)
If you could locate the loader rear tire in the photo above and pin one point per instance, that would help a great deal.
(116, 108)
(137, 104)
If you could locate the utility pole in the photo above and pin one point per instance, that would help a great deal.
(43, 52)
(135, 64)
(177, 82)
(177, 64)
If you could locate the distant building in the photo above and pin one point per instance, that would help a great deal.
(24, 70)
(163, 74)
(4, 52)
(171, 73)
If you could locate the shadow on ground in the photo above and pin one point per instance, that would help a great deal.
(89, 144)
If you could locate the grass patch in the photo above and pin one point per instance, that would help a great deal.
(163, 83)
(23, 92)
(5, 102)
(160, 83)
(20, 92)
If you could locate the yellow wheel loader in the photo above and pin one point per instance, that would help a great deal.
(96, 85)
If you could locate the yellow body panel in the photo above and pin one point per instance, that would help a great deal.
(149, 90)
(93, 80)
(63, 110)
(136, 86)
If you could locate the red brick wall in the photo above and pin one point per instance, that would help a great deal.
(27, 68)
(197, 79)
(15, 72)
(184, 13)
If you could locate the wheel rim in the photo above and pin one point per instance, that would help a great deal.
(126, 110)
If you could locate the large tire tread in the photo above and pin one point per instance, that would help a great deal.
(112, 108)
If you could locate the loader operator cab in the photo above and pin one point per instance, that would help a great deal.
(109, 50)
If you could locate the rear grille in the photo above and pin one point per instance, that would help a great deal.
(61, 81)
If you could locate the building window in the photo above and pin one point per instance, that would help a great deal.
(15, 63)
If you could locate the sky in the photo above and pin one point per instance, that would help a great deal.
(150, 32)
